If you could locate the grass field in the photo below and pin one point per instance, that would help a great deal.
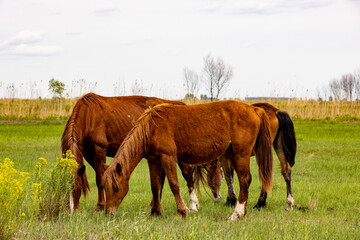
(325, 179)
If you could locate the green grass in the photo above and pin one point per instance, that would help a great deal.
(325, 180)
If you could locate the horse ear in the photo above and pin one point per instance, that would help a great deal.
(81, 170)
(118, 168)
(105, 166)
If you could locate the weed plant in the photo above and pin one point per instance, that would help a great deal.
(44, 197)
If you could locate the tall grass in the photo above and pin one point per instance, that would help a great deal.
(60, 109)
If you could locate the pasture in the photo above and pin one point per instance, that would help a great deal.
(325, 182)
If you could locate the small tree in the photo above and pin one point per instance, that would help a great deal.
(216, 76)
(57, 88)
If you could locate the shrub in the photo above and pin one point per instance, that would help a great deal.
(44, 197)
(55, 187)
(12, 196)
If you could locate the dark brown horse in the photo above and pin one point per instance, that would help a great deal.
(284, 143)
(96, 129)
(196, 134)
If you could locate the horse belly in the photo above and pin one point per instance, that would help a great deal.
(201, 152)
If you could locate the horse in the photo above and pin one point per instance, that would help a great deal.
(191, 134)
(96, 128)
(284, 143)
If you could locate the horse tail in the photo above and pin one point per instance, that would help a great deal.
(286, 128)
(70, 141)
(263, 150)
(198, 173)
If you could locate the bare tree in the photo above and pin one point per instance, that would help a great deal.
(347, 84)
(357, 83)
(335, 89)
(191, 83)
(216, 75)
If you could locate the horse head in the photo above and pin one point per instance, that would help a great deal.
(116, 186)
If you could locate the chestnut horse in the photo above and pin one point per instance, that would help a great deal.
(195, 134)
(96, 128)
(284, 143)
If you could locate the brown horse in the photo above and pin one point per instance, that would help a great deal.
(195, 134)
(284, 143)
(96, 129)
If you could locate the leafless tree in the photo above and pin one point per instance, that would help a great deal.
(335, 89)
(191, 83)
(357, 83)
(216, 76)
(347, 84)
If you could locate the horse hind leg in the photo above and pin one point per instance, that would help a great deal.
(286, 172)
(169, 165)
(242, 168)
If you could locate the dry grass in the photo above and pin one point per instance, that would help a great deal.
(60, 109)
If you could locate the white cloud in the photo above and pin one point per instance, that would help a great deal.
(24, 37)
(36, 50)
(263, 6)
(24, 43)
(106, 12)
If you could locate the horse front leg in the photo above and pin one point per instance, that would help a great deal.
(98, 160)
(157, 182)
(169, 165)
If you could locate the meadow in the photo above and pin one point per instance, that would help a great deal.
(325, 180)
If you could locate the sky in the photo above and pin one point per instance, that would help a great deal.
(283, 48)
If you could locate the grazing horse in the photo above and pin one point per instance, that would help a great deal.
(96, 129)
(194, 134)
(284, 143)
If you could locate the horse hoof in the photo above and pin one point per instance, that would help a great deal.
(230, 202)
(99, 208)
(217, 199)
(290, 203)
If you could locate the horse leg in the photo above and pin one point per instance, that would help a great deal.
(161, 177)
(229, 178)
(99, 160)
(169, 165)
(242, 168)
(186, 171)
(156, 187)
(286, 172)
(213, 178)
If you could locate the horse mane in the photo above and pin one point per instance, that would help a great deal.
(134, 144)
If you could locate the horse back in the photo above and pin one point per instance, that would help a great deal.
(197, 133)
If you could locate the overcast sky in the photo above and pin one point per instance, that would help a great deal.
(276, 48)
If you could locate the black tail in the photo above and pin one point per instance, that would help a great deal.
(286, 128)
